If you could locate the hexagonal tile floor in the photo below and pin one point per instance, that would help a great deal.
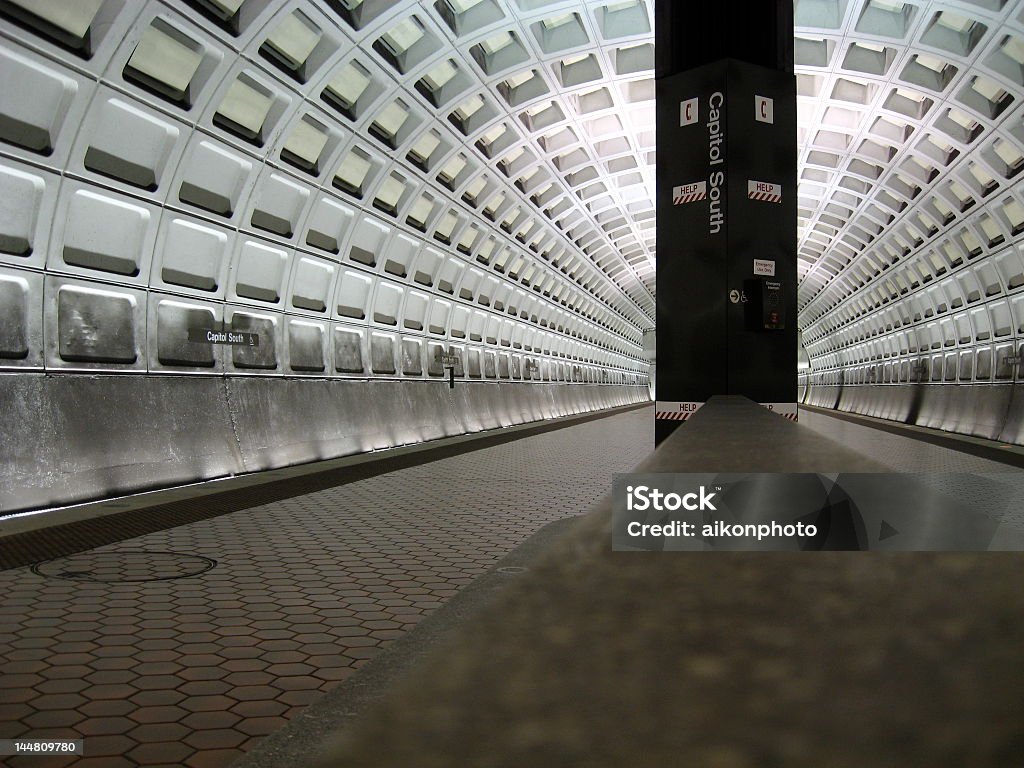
(148, 665)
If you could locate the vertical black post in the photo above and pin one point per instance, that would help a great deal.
(451, 377)
(726, 204)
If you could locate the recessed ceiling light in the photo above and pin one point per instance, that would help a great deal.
(514, 81)
(403, 36)
(554, 22)
(440, 75)
(390, 191)
(452, 169)
(349, 84)
(160, 56)
(294, 39)
(74, 17)
(245, 105)
(954, 21)
(425, 146)
(469, 107)
(988, 88)
(353, 170)
(391, 119)
(1014, 48)
(893, 6)
(307, 141)
(497, 43)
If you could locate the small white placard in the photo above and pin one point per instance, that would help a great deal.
(764, 267)
(764, 109)
(764, 191)
(688, 112)
(688, 193)
(675, 411)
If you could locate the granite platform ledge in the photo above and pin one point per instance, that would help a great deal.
(719, 660)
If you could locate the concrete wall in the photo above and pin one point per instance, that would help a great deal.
(991, 411)
(137, 215)
(74, 438)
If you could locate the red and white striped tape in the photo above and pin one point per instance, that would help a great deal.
(688, 199)
(677, 411)
(672, 415)
(785, 410)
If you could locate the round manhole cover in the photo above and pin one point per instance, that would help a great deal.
(124, 566)
(511, 569)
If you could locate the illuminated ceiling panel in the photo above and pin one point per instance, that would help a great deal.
(534, 121)
(544, 113)
(910, 141)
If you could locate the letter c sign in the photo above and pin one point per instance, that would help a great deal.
(687, 112)
(764, 109)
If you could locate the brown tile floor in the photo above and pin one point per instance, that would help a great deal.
(192, 670)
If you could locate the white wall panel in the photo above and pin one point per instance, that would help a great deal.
(103, 234)
(92, 326)
(42, 104)
(21, 320)
(278, 204)
(312, 284)
(308, 348)
(28, 197)
(259, 271)
(329, 224)
(128, 145)
(212, 179)
(192, 256)
(170, 348)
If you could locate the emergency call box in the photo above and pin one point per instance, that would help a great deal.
(765, 310)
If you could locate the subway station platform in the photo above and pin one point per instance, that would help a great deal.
(464, 611)
(123, 647)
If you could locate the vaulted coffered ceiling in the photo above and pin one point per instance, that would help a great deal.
(522, 131)
(910, 144)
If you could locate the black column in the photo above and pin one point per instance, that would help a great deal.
(726, 186)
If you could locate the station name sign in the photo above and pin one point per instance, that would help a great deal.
(212, 336)
(716, 157)
(710, 190)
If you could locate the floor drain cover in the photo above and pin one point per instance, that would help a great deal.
(124, 566)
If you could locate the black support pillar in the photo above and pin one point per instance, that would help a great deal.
(726, 204)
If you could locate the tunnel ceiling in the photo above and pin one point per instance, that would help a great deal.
(496, 152)
(910, 142)
(521, 132)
